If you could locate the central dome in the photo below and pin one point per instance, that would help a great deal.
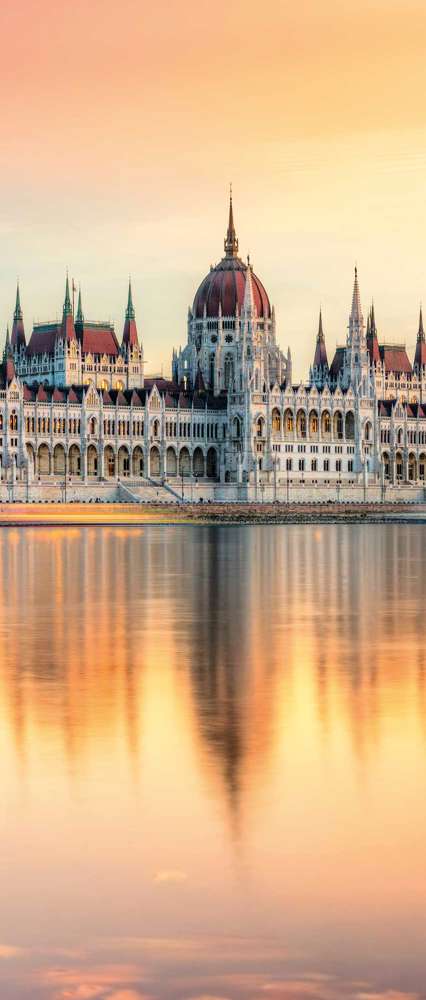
(225, 284)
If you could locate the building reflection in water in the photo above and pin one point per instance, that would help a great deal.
(175, 690)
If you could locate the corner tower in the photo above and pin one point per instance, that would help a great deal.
(131, 349)
(357, 360)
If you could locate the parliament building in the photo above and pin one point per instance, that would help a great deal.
(75, 402)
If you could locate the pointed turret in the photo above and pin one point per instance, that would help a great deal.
(356, 317)
(8, 362)
(356, 365)
(372, 341)
(231, 241)
(320, 358)
(68, 329)
(18, 332)
(420, 355)
(79, 314)
(7, 344)
(319, 371)
(130, 333)
(67, 301)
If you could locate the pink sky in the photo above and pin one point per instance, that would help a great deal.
(123, 123)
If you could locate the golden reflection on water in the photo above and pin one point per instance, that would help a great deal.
(213, 762)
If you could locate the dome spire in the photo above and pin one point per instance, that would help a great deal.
(231, 241)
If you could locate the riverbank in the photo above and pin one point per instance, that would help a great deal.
(123, 514)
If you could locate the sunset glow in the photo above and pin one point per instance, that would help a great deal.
(122, 125)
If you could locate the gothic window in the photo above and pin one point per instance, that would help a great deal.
(276, 421)
(229, 371)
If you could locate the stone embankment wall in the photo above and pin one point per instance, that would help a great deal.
(132, 491)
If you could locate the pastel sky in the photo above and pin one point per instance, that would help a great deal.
(123, 122)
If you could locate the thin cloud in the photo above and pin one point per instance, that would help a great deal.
(10, 951)
(173, 875)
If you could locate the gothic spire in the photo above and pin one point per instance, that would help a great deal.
(421, 333)
(67, 328)
(79, 318)
(356, 311)
(320, 357)
(231, 241)
(18, 331)
(420, 355)
(130, 311)
(18, 311)
(130, 333)
(67, 301)
(373, 319)
(371, 337)
(8, 362)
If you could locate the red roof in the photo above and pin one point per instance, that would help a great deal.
(373, 348)
(18, 333)
(225, 284)
(42, 340)
(98, 339)
(395, 358)
(130, 333)
(58, 395)
(420, 355)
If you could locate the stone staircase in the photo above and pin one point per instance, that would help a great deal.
(145, 491)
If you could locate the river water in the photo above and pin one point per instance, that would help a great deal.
(213, 763)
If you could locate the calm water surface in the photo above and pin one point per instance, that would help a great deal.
(213, 763)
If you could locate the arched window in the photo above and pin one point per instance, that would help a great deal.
(276, 421)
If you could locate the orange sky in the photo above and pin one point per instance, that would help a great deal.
(123, 122)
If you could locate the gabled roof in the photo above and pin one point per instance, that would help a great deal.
(73, 395)
(59, 395)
